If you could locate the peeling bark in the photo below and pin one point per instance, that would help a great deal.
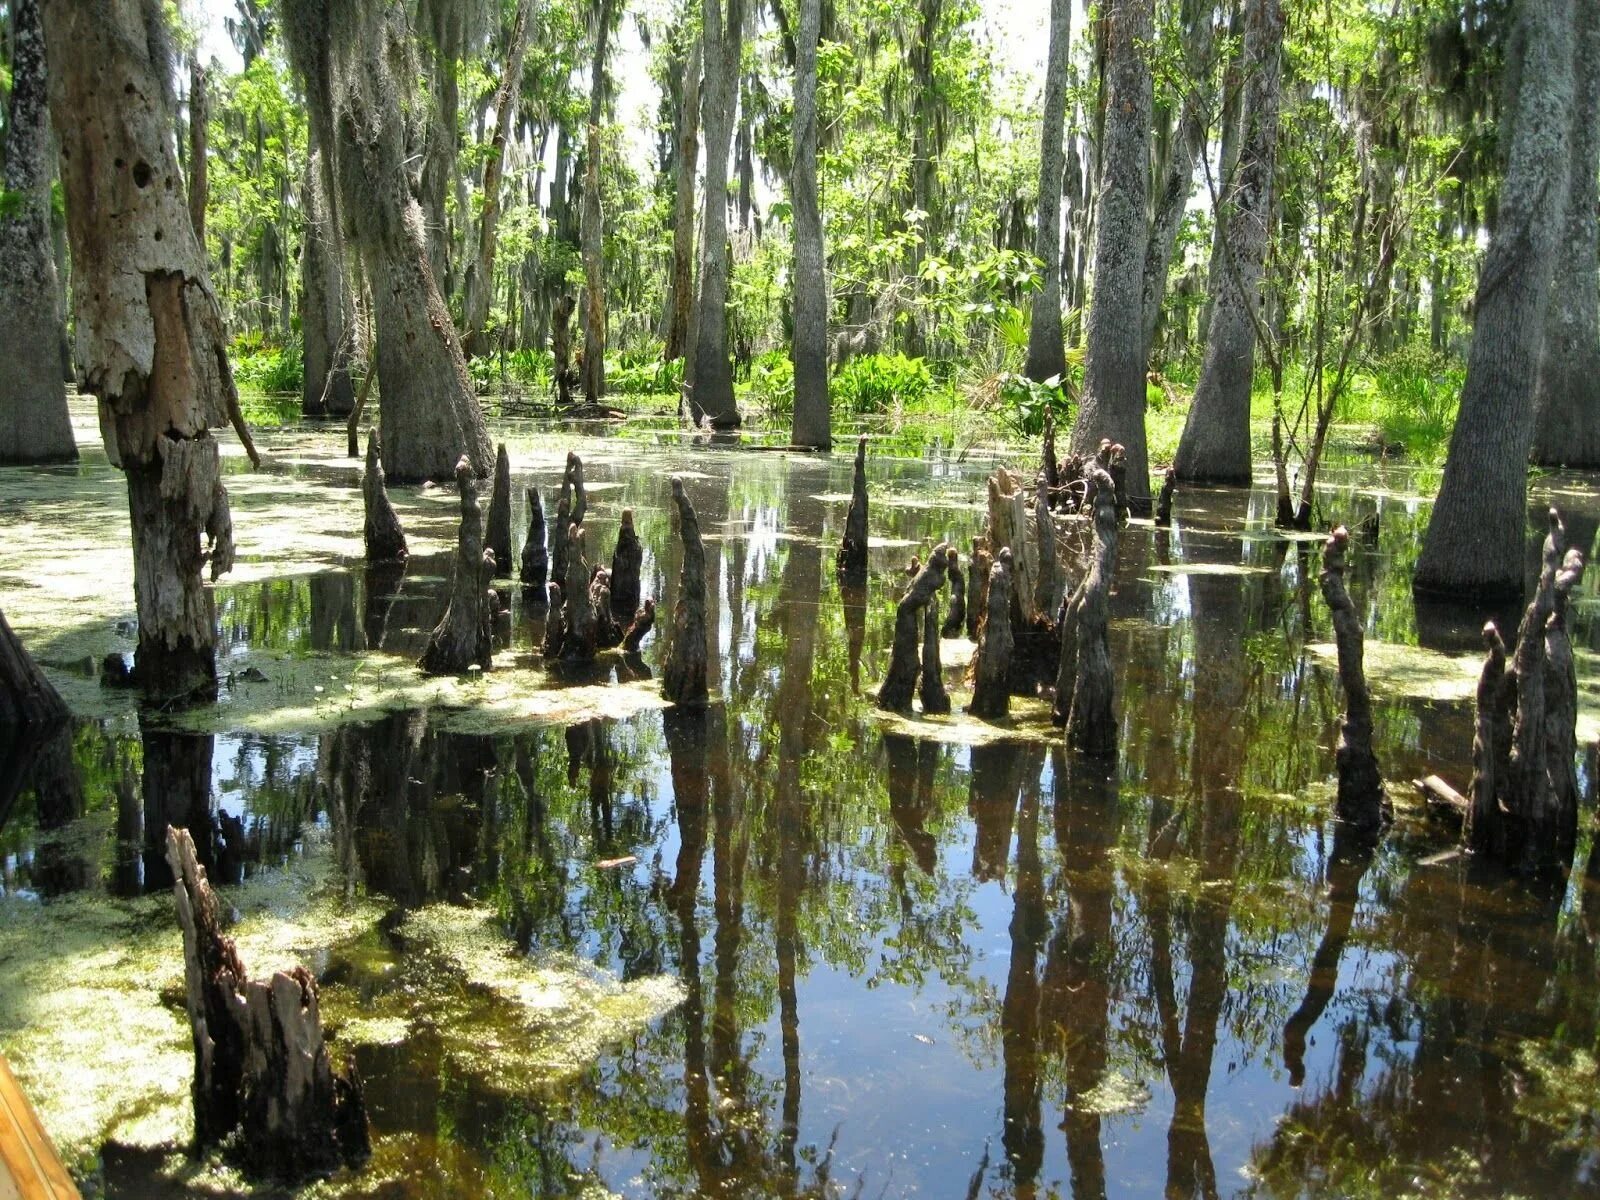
(385, 540)
(683, 679)
(464, 636)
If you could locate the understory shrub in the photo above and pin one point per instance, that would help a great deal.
(877, 383)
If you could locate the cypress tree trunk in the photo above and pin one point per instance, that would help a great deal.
(594, 296)
(1046, 355)
(811, 414)
(150, 333)
(1216, 434)
(1474, 544)
(1113, 377)
(711, 394)
(358, 63)
(325, 304)
(1566, 399)
(199, 184)
(681, 298)
(33, 400)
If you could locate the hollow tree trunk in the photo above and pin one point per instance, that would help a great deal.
(1474, 544)
(1113, 377)
(35, 426)
(326, 317)
(1215, 446)
(810, 352)
(594, 276)
(681, 294)
(149, 330)
(1046, 354)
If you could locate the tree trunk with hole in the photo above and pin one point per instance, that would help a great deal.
(681, 292)
(326, 311)
(1361, 802)
(1473, 549)
(905, 666)
(33, 398)
(1046, 353)
(683, 678)
(464, 636)
(991, 664)
(1114, 373)
(852, 559)
(497, 527)
(149, 330)
(385, 540)
(810, 351)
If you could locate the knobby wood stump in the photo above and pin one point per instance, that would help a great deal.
(853, 550)
(386, 541)
(27, 698)
(1084, 686)
(931, 688)
(956, 619)
(626, 562)
(464, 636)
(1169, 484)
(1361, 801)
(261, 1065)
(497, 527)
(1050, 469)
(982, 563)
(535, 568)
(991, 664)
(683, 678)
(578, 615)
(571, 506)
(643, 622)
(555, 625)
(905, 665)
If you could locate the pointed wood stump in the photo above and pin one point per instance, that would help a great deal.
(571, 506)
(386, 541)
(626, 561)
(931, 687)
(535, 568)
(578, 615)
(853, 550)
(904, 662)
(991, 664)
(497, 526)
(684, 677)
(1084, 686)
(1169, 484)
(643, 622)
(464, 636)
(261, 1064)
(1361, 801)
(956, 619)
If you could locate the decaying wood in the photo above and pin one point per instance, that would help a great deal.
(853, 550)
(1169, 484)
(497, 527)
(1084, 686)
(982, 563)
(386, 541)
(626, 561)
(27, 698)
(1361, 801)
(1008, 529)
(684, 677)
(535, 566)
(261, 1064)
(464, 636)
(904, 660)
(931, 687)
(991, 664)
(643, 622)
(955, 620)
(578, 610)
(571, 506)
(1443, 801)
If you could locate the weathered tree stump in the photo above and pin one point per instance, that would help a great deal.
(497, 527)
(1169, 484)
(578, 615)
(555, 625)
(684, 677)
(853, 551)
(991, 664)
(1044, 586)
(607, 632)
(931, 688)
(1361, 801)
(1491, 747)
(1113, 459)
(535, 567)
(643, 622)
(1084, 685)
(904, 661)
(27, 698)
(386, 541)
(982, 563)
(261, 1064)
(626, 561)
(464, 636)
(955, 620)
(571, 507)
(1008, 529)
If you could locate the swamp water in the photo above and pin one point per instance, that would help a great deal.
(580, 945)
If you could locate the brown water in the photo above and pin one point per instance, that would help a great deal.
(909, 966)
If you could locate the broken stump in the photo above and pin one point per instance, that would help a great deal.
(386, 542)
(853, 550)
(1085, 690)
(991, 664)
(955, 621)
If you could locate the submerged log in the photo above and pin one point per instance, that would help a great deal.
(853, 551)
(1443, 801)
(497, 526)
(464, 636)
(571, 507)
(643, 622)
(261, 1064)
(931, 688)
(982, 564)
(1084, 686)
(386, 541)
(626, 561)
(1169, 484)
(535, 567)
(578, 613)
(991, 664)
(27, 698)
(1361, 801)
(904, 663)
(683, 679)
(955, 621)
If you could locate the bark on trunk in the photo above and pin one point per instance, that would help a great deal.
(1566, 399)
(326, 310)
(1046, 354)
(1084, 686)
(1474, 545)
(464, 636)
(535, 558)
(991, 663)
(852, 559)
(681, 295)
(811, 413)
(1113, 378)
(33, 397)
(385, 540)
(683, 678)
(594, 294)
(561, 349)
(935, 699)
(1215, 447)
(497, 527)
(1361, 802)
(626, 562)
(905, 667)
(27, 698)
(199, 185)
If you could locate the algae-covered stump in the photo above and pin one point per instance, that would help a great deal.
(1084, 689)
(853, 550)
(683, 678)
(1361, 802)
(497, 526)
(904, 662)
(464, 636)
(386, 541)
(931, 687)
(535, 567)
(626, 561)
(955, 620)
(991, 664)
(261, 1064)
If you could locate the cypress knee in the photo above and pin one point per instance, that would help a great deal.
(1361, 802)
(535, 558)
(464, 636)
(497, 528)
(934, 698)
(1491, 748)
(1084, 685)
(578, 615)
(904, 665)
(555, 627)
(27, 698)
(626, 562)
(1169, 484)
(683, 679)
(982, 562)
(386, 541)
(643, 622)
(955, 621)
(991, 690)
(853, 551)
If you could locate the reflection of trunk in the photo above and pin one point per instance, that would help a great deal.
(177, 791)
(334, 625)
(1019, 1013)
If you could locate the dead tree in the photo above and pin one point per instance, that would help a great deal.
(497, 528)
(27, 698)
(991, 664)
(464, 636)
(853, 551)
(955, 621)
(1169, 484)
(1361, 802)
(535, 566)
(683, 678)
(982, 563)
(571, 506)
(1084, 686)
(904, 661)
(261, 1066)
(578, 614)
(931, 688)
(626, 561)
(386, 541)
